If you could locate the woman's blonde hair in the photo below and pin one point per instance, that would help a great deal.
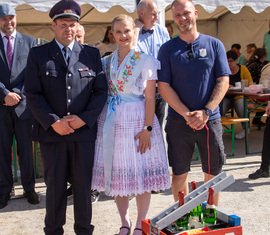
(122, 18)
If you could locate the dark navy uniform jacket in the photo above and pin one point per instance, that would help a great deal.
(55, 89)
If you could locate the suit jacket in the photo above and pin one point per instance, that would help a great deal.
(13, 81)
(55, 89)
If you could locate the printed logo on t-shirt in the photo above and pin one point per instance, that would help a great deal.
(202, 52)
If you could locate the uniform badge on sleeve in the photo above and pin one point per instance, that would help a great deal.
(87, 71)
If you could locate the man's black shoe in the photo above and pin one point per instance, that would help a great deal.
(4, 200)
(32, 197)
(69, 191)
(258, 174)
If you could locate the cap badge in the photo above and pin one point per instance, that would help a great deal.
(68, 11)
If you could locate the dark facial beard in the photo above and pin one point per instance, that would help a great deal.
(185, 29)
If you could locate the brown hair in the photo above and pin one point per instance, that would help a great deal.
(258, 54)
(106, 38)
(252, 45)
(231, 55)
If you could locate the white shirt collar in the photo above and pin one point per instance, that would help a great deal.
(13, 34)
(70, 46)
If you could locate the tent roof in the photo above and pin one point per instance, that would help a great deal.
(89, 15)
(234, 6)
(130, 5)
(100, 5)
(35, 12)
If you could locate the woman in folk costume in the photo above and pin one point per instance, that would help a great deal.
(130, 156)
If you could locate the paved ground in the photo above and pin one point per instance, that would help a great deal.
(248, 199)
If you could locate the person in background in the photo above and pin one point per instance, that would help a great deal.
(263, 172)
(251, 47)
(238, 73)
(130, 157)
(265, 76)
(151, 36)
(193, 81)
(236, 47)
(15, 116)
(255, 65)
(80, 33)
(169, 29)
(66, 90)
(266, 43)
(107, 45)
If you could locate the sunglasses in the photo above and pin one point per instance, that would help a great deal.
(190, 52)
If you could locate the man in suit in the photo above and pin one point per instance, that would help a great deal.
(66, 90)
(151, 36)
(15, 117)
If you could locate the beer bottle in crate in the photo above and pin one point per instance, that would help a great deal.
(182, 223)
(210, 212)
(195, 218)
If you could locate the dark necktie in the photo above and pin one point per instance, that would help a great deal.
(9, 52)
(144, 31)
(66, 54)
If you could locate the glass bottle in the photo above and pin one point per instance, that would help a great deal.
(195, 218)
(182, 223)
(210, 212)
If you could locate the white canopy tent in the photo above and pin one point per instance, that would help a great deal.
(216, 17)
(130, 5)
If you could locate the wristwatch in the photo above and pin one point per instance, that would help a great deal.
(148, 128)
(208, 112)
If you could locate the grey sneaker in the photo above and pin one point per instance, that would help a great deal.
(94, 196)
(240, 135)
(12, 193)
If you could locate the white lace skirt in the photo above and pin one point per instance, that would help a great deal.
(132, 172)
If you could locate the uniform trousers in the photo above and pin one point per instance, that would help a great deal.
(64, 161)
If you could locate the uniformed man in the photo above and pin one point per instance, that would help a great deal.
(80, 39)
(66, 90)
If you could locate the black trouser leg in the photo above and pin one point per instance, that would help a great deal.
(55, 161)
(266, 147)
(25, 151)
(257, 119)
(82, 164)
(160, 108)
(6, 136)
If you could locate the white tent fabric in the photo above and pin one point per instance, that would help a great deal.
(100, 5)
(233, 6)
(130, 5)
